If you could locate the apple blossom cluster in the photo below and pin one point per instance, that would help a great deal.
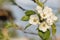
(45, 19)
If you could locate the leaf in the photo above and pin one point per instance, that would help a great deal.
(25, 18)
(29, 12)
(53, 29)
(47, 34)
(44, 35)
(27, 26)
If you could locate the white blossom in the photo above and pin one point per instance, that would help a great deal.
(49, 21)
(54, 18)
(39, 9)
(34, 20)
(43, 27)
(47, 10)
(44, 16)
(44, 13)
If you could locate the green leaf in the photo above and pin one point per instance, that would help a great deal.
(29, 12)
(44, 35)
(53, 29)
(25, 18)
(27, 26)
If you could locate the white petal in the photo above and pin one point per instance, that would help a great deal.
(39, 11)
(49, 21)
(47, 9)
(30, 21)
(38, 8)
(33, 16)
(55, 18)
(43, 27)
(44, 16)
(34, 20)
(48, 26)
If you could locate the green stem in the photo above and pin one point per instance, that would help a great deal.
(40, 3)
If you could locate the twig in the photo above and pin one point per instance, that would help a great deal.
(43, 2)
(22, 29)
(18, 5)
(33, 0)
(30, 33)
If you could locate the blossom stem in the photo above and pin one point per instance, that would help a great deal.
(39, 3)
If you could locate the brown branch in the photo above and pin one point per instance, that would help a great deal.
(33, 0)
(17, 5)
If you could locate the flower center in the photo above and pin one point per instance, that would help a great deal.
(34, 20)
(44, 15)
(43, 25)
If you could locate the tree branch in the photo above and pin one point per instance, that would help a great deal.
(22, 29)
(33, 0)
(17, 5)
(30, 33)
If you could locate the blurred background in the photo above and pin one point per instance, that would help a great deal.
(31, 32)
